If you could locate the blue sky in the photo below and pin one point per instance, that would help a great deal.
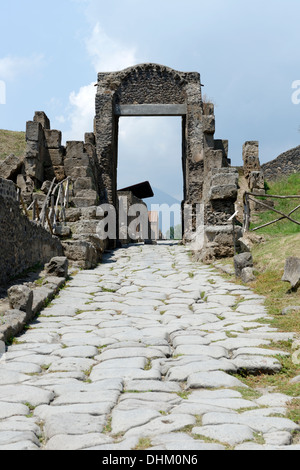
(246, 52)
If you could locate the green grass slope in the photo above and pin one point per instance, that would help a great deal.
(11, 142)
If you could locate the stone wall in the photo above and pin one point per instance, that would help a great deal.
(23, 243)
(45, 158)
(284, 165)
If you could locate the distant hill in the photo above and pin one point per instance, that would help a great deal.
(11, 142)
(284, 165)
(161, 197)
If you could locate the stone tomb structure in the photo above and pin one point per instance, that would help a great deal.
(156, 90)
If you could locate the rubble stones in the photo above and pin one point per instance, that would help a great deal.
(292, 272)
(10, 166)
(20, 298)
(58, 266)
(241, 261)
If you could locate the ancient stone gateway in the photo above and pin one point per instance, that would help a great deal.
(156, 90)
(150, 90)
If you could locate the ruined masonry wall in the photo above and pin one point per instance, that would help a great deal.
(23, 243)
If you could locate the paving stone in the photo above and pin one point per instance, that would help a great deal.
(73, 424)
(213, 379)
(151, 385)
(257, 423)
(255, 364)
(71, 364)
(180, 442)
(12, 437)
(74, 398)
(78, 351)
(45, 412)
(124, 420)
(216, 352)
(8, 409)
(79, 442)
(25, 394)
(164, 424)
(231, 434)
(8, 377)
(183, 372)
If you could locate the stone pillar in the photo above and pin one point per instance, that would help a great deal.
(106, 124)
(252, 169)
(34, 154)
(55, 154)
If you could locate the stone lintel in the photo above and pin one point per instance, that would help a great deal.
(151, 110)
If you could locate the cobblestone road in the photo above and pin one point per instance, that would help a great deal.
(143, 352)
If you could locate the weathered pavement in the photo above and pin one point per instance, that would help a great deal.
(143, 352)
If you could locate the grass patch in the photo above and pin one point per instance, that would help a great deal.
(11, 142)
(285, 187)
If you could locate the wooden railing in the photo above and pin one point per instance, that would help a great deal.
(54, 207)
(253, 197)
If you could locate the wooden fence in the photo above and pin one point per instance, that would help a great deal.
(253, 197)
(54, 207)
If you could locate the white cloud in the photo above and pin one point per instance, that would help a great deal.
(81, 116)
(14, 67)
(106, 54)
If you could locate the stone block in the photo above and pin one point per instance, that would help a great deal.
(58, 266)
(34, 168)
(20, 298)
(52, 139)
(89, 138)
(213, 159)
(227, 191)
(85, 183)
(10, 166)
(74, 148)
(256, 180)
(292, 272)
(247, 275)
(77, 171)
(63, 231)
(42, 118)
(73, 214)
(32, 149)
(87, 226)
(72, 164)
(224, 179)
(209, 124)
(81, 202)
(33, 131)
(56, 156)
(83, 253)
(241, 261)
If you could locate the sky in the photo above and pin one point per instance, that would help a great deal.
(247, 54)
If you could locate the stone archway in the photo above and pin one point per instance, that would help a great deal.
(150, 90)
(156, 90)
